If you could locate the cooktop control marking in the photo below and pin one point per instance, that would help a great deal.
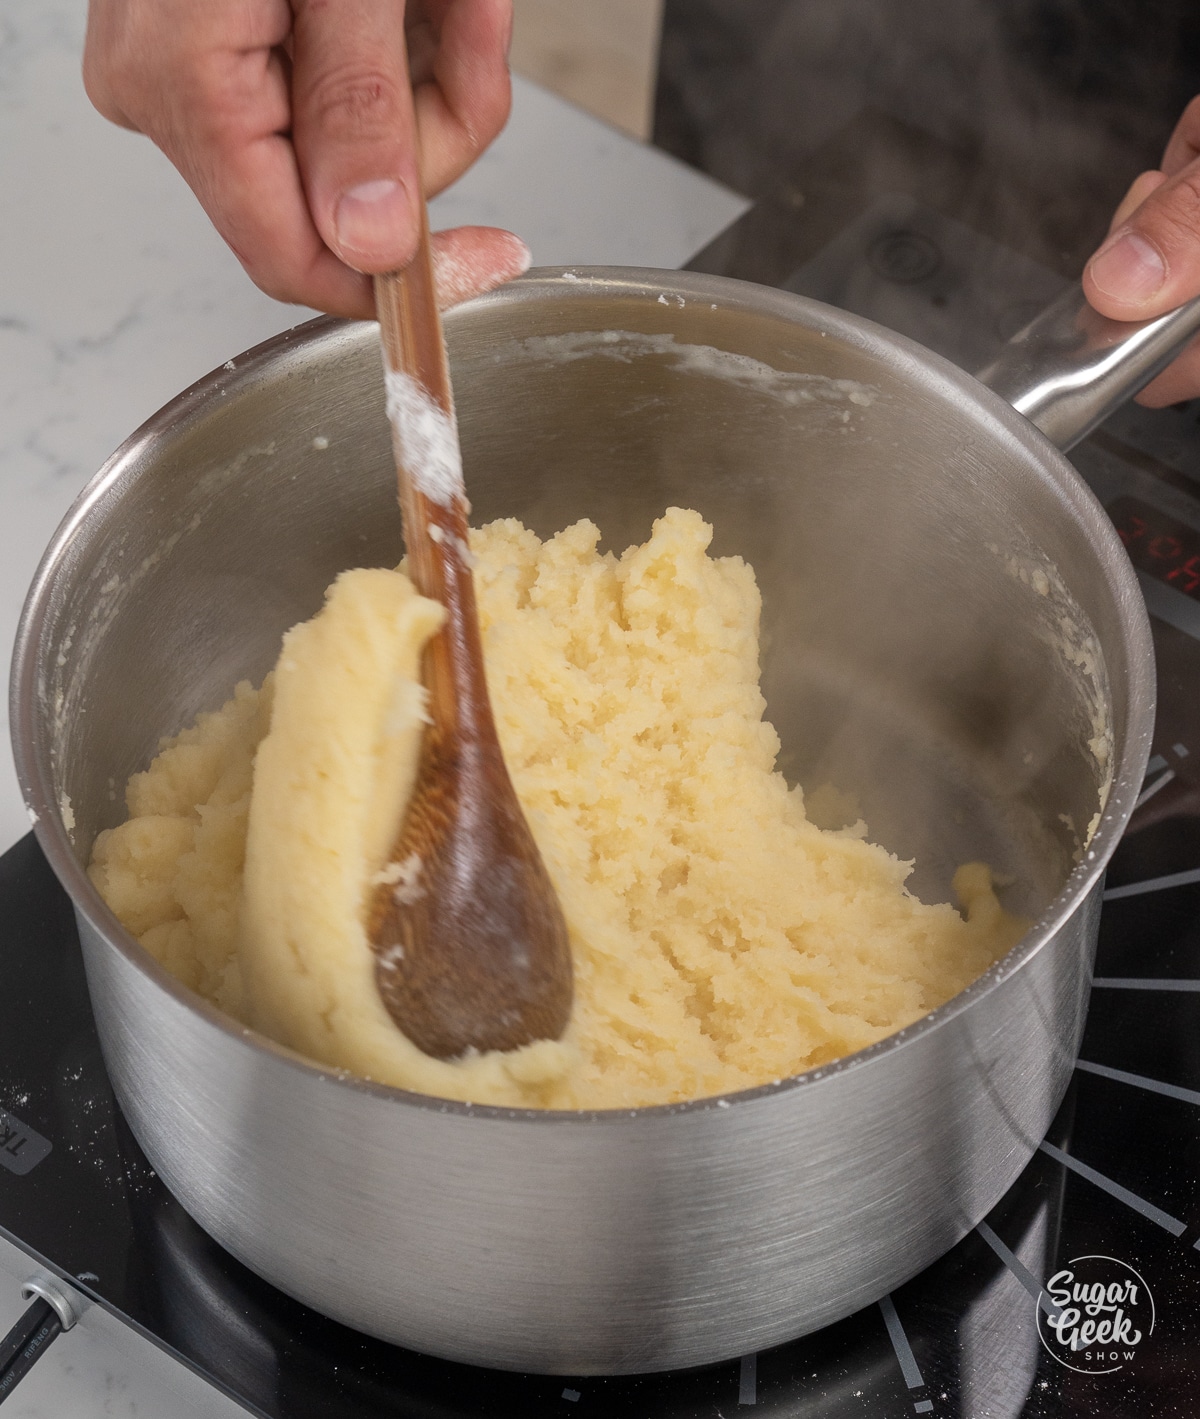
(1139, 1081)
(748, 1380)
(21, 1148)
(904, 1354)
(1151, 789)
(1019, 1270)
(1114, 1189)
(1153, 884)
(1147, 983)
(1159, 544)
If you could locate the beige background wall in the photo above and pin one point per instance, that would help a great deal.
(599, 54)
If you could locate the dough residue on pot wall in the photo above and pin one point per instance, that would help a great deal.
(721, 940)
(1061, 624)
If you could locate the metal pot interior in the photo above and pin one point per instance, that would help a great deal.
(903, 524)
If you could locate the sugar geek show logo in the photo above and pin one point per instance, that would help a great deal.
(1095, 1314)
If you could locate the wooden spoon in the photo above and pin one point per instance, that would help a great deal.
(469, 937)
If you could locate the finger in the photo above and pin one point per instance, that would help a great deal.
(229, 140)
(466, 102)
(1183, 146)
(1151, 263)
(211, 86)
(1141, 188)
(422, 47)
(468, 261)
(104, 39)
(147, 61)
(354, 130)
(255, 199)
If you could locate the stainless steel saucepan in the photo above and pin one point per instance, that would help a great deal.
(952, 635)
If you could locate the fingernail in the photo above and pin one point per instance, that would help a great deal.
(1129, 268)
(372, 222)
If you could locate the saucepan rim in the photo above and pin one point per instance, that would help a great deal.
(31, 739)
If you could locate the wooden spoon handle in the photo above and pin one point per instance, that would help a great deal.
(433, 498)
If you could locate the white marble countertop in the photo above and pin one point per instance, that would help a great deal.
(115, 294)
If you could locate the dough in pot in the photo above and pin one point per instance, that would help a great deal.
(720, 939)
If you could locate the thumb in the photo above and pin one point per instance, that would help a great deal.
(354, 131)
(1150, 262)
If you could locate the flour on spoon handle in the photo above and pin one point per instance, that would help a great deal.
(425, 439)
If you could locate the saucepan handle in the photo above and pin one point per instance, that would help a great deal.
(1071, 367)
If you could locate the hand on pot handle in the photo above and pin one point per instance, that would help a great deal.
(295, 126)
(1150, 262)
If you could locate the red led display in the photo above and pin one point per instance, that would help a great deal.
(1158, 544)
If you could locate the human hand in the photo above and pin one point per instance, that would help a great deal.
(296, 124)
(1150, 262)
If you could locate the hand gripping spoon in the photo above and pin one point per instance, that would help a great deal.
(471, 946)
